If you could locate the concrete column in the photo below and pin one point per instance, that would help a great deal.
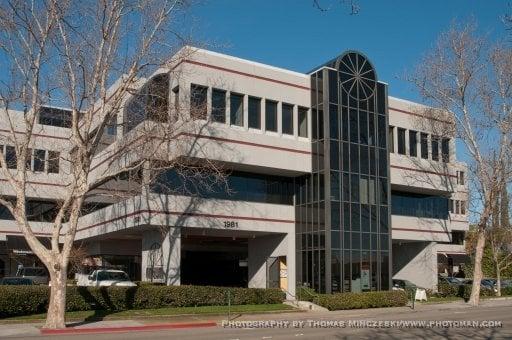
(161, 255)
(263, 247)
(416, 262)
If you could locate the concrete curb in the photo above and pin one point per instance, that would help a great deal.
(154, 327)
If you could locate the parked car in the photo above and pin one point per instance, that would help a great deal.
(452, 281)
(484, 284)
(399, 284)
(16, 281)
(506, 283)
(109, 277)
(38, 275)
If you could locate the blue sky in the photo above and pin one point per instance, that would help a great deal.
(293, 34)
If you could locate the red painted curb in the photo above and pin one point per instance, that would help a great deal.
(154, 327)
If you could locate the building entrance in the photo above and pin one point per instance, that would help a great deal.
(215, 261)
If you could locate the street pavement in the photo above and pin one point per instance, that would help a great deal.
(383, 323)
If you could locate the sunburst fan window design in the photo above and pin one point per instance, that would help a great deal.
(357, 76)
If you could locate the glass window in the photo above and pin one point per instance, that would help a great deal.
(363, 190)
(435, 148)
(54, 117)
(445, 149)
(419, 205)
(335, 155)
(391, 138)
(39, 160)
(218, 105)
(287, 118)
(334, 128)
(335, 185)
(28, 161)
(413, 143)
(371, 129)
(401, 141)
(10, 157)
(270, 115)
(303, 122)
(254, 113)
(354, 130)
(198, 107)
(354, 157)
(363, 127)
(460, 178)
(53, 162)
(382, 132)
(344, 123)
(236, 106)
(355, 219)
(424, 145)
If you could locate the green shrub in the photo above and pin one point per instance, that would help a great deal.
(395, 298)
(24, 300)
(506, 291)
(463, 291)
(306, 293)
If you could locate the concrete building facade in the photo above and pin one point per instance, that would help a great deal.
(332, 183)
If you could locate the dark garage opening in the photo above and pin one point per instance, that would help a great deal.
(214, 261)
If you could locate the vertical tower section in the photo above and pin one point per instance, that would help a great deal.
(343, 214)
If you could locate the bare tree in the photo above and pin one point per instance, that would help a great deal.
(470, 82)
(500, 237)
(92, 57)
(324, 5)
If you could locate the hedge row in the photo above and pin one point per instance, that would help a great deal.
(339, 301)
(25, 300)
(464, 291)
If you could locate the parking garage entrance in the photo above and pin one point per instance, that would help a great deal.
(214, 261)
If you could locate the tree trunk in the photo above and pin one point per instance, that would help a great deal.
(56, 309)
(474, 299)
(498, 279)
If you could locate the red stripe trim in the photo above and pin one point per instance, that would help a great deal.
(36, 134)
(219, 139)
(421, 230)
(246, 74)
(235, 141)
(421, 116)
(150, 327)
(39, 183)
(423, 171)
(180, 213)
(19, 232)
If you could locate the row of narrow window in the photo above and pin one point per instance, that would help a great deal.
(440, 147)
(256, 108)
(457, 207)
(38, 160)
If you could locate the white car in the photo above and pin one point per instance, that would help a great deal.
(108, 278)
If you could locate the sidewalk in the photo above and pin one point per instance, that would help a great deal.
(195, 321)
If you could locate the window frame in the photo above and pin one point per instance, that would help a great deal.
(289, 124)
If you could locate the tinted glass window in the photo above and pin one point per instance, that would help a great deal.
(53, 162)
(242, 186)
(219, 106)
(39, 160)
(254, 113)
(419, 205)
(10, 156)
(237, 109)
(198, 101)
(435, 148)
(287, 117)
(54, 117)
(424, 145)
(270, 115)
(391, 137)
(413, 143)
(401, 141)
(303, 122)
(445, 149)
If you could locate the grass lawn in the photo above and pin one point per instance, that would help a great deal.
(160, 312)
